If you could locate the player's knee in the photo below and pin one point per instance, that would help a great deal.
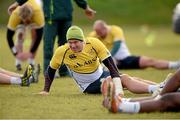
(109, 77)
(147, 62)
(125, 78)
(20, 36)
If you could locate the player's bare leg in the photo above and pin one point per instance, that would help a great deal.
(159, 64)
(3, 71)
(168, 102)
(137, 86)
(172, 84)
(20, 35)
(33, 37)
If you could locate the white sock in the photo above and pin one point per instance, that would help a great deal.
(15, 80)
(152, 88)
(31, 79)
(18, 61)
(174, 65)
(118, 86)
(129, 107)
(31, 61)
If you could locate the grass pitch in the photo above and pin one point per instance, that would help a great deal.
(66, 101)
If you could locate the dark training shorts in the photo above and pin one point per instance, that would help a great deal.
(130, 62)
(95, 87)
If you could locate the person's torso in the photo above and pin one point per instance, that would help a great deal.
(115, 33)
(37, 17)
(84, 62)
(57, 9)
(85, 66)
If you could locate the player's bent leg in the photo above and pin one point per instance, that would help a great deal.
(20, 35)
(105, 86)
(173, 84)
(161, 86)
(114, 99)
(134, 85)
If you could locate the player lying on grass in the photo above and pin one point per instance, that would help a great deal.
(29, 15)
(82, 56)
(167, 100)
(30, 76)
(113, 38)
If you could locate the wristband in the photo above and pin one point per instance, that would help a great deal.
(118, 86)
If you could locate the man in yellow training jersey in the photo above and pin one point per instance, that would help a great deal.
(28, 15)
(113, 38)
(82, 56)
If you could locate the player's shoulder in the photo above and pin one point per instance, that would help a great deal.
(92, 34)
(62, 48)
(116, 27)
(16, 11)
(36, 4)
(91, 40)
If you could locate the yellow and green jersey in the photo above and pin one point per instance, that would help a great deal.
(84, 66)
(115, 33)
(37, 18)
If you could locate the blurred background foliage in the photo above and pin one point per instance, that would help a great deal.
(126, 12)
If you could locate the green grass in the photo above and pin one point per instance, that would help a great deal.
(66, 101)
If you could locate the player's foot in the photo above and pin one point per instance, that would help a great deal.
(115, 100)
(27, 74)
(105, 86)
(35, 74)
(161, 85)
(18, 67)
(111, 100)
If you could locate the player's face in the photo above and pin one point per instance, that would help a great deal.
(101, 31)
(76, 45)
(26, 21)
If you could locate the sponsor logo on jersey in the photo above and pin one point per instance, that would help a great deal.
(72, 56)
(88, 62)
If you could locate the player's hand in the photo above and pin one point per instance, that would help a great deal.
(12, 7)
(43, 93)
(90, 13)
(23, 56)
